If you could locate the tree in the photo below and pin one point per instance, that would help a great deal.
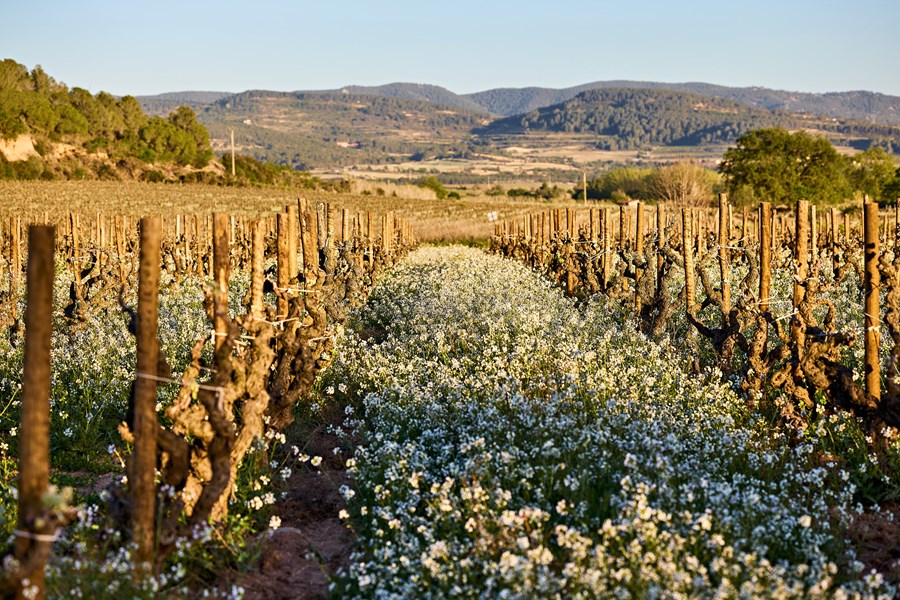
(683, 184)
(185, 119)
(782, 167)
(871, 171)
(13, 76)
(891, 191)
(91, 109)
(133, 115)
(628, 182)
(431, 182)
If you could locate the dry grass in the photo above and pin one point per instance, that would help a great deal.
(432, 220)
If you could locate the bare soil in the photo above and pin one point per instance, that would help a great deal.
(21, 148)
(876, 538)
(312, 543)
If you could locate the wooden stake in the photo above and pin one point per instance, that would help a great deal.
(607, 248)
(309, 242)
(142, 470)
(15, 264)
(34, 432)
(221, 272)
(813, 240)
(639, 250)
(872, 304)
(687, 244)
(724, 255)
(283, 266)
(801, 251)
(257, 274)
(745, 232)
(293, 234)
(660, 243)
(765, 255)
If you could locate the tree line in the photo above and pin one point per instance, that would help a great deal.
(32, 102)
(770, 164)
(629, 119)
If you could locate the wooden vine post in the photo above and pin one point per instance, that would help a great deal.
(256, 272)
(873, 309)
(833, 238)
(801, 273)
(607, 250)
(293, 232)
(143, 461)
(724, 257)
(15, 264)
(660, 243)
(221, 261)
(639, 250)
(765, 255)
(308, 239)
(745, 234)
(813, 240)
(687, 243)
(75, 254)
(801, 251)
(283, 263)
(32, 545)
(119, 228)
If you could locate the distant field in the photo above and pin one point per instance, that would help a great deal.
(432, 219)
(536, 157)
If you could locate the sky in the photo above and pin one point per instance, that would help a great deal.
(145, 47)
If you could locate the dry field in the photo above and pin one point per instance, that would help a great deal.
(433, 220)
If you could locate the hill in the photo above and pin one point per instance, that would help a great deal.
(305, 129)
(859, 105)
(163, 104)
(50, 131)
(638, 118)
(418, 91)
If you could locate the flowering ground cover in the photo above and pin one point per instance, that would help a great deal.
(511, 444)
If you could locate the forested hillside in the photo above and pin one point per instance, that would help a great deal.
(418, 91)
(75, 134)
(305, 129)
(163, 104)
(638, 118)
(859, 105)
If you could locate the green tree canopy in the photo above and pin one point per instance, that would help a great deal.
(781, 167)
(433, 183)
(618, 184)
(870, 172)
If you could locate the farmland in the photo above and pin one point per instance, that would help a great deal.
(583, 411)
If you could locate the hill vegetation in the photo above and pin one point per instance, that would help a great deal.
(633, 119)
(63, 133)
(859, 105)
(626, 119)
(102, 135)
(306, 129)
(163, 104)
(418, 91)
(411, 130)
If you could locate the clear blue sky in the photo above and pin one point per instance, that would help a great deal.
(153, 46)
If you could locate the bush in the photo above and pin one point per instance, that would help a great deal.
(432, 183)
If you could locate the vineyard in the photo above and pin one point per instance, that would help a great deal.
(697, 404)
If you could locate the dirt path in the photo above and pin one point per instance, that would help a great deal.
(312, 542)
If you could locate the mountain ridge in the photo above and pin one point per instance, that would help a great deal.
(861, 105)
